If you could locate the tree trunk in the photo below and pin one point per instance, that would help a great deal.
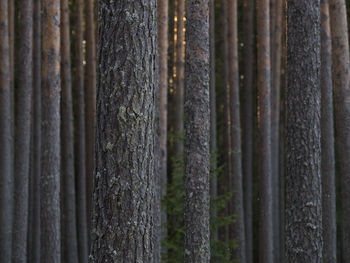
(124, 181)
(80, 148)
(197, 158)
(163, 96)
(22, 131)
(236, 209)
(327, 142)
(247, 122)
(69, 228)
(264, 135)
(90, 105)
(303, 163)
(6, 182)
(340, 58)
(50, 147)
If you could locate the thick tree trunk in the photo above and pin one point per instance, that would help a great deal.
(264, 135)
(50, 146)
(163, 108)
(236, 229)
(341, 73)
(247, 122)
(6, 182)
(90, 105)
(303, 163)
(80, 148)
(327, 142)
(197, 158)
(69, 228)
(124, 181)
(22, 131)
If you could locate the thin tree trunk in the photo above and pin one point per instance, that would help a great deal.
(50, 146)
(327, 142)
(264, 135)
(90, 105)
(6, 182)
(341, 62)
(163, 96)
(236, 229)
(197, 158)
(69, 228)
(124, 181)
(80, 149)
(22, 131)
(247, 122)
(303, 163)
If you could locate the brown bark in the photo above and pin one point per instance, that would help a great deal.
(341, 73)
(50, 147)
(6, 182)
(264, 135)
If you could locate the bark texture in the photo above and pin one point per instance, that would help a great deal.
(303, 162)
(124, 180)
(22, 130)
(341, 75)
(197, 159)
(50, 125)
(69, 228)
(264, 135)
(6, 182)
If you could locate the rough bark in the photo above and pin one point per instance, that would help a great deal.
(197, 158)
(247, 123)
(22, 131)
(69, 228)
(264, 135)
(303, 162)
(163, 107)
(80, 148)
(6, 182)
(327, 142)
(90, 105)
(124, 180)
(50, 125)
(236, 229)
(341, 81)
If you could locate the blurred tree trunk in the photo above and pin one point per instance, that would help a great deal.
(124, 181)
(6, 182)
(340, 58)
(80, 148)
(197, 158)
(22, 131)
(303, 222)
(50, 146)
(327, 141)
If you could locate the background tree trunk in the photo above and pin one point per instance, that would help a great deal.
(50, 147)
(197, 159)
(124, 181)
(303, 162)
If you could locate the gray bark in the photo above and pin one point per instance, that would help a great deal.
(197, 158)
(303, 219)
(124, 181)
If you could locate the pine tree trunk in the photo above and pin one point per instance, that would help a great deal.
(50, 146)
(303, 163)
(327, 142)
(124, 181)
(264, 135)
(22, 131)
(341, 62)
(247, 122)
(197, 158)
(6, 182)
(80, 148)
